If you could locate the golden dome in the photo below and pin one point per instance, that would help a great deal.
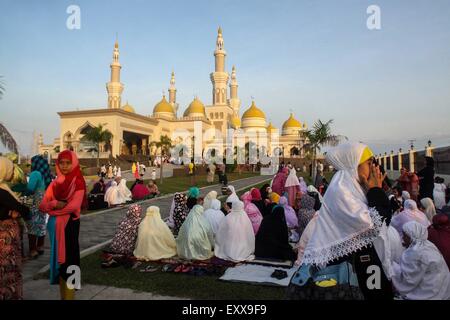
(128, 108)
(235, 121)
(163, 106)
(271, 128)
(253, 112)
(196, 106)
(292, 123)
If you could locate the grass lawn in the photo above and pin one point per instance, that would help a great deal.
(177, 184)
(174, 284)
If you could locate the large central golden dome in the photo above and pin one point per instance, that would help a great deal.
(292, 123)
(253, 112)
(163, 106)
(195, 108)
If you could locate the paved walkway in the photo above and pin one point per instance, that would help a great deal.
(99, 227)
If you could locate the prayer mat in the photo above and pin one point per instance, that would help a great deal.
(257, 274)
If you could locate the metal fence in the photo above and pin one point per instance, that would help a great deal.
(415, 160)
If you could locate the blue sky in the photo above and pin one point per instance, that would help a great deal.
(317, 58)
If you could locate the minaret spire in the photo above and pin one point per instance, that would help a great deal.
(235, 102)
(173, 93)
(219, 77)
(114, 87)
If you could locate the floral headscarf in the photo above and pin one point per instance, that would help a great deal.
(124, 240)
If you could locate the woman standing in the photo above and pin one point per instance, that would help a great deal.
(63, 201)
(10, 251)
(40, 179)
(426, 178)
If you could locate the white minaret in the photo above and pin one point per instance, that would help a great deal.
(235, 102)
(219, 78)
(114, 87)
(173, 94)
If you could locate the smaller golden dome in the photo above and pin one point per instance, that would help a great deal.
(235, 121)
(271, 128)
(292, 123)
(128, 108)
(196, 106)
(163, 106)
(253, 112)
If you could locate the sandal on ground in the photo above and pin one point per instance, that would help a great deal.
(110, 264)
(168, 268)
(179, 268)
(150, 269)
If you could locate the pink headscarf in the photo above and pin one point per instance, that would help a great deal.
(252, 211)
(289, 212)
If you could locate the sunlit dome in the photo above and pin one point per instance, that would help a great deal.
(128, 108)
(253, 112)
(163, 106)
(292, 123)
(195, 109)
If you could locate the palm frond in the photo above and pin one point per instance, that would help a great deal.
(7, 140)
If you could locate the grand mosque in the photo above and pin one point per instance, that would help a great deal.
(134, 133)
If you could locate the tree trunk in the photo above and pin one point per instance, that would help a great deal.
(313, 168)
(98, 155)
(161, 170)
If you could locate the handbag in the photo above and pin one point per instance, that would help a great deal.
(334, 282)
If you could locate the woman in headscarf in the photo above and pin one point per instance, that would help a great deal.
(439, 235)
(195, 240)
(235, 239)
(154, 240)
(214, 215)
(232, 197)
(350, 223)
(303, 186)
(212, 195)
(113, 196)
(405, 196)
(124, 192)
(63, 201)
(272, 239)
(305, 213)
(124, 240)
(279, 181)
(11, 209)
(211, 172)
(180, 211)
(289, 213)
(429, 209)
(265, 190)
(257, 199)
(313, 192)
(292, 186)
(426, 179)
(273, 200)
(439, 192)
(410, 213)
(39, 180)
(422, 273)
(110, 172)
(192, 197)
(140, 191)
(252, 211)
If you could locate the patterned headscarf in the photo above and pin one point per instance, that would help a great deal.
(124, 240)
(193, 192)
(39, 163)
(180, 211)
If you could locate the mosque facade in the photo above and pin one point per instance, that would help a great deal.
(134, 133)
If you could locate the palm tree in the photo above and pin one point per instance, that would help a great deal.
(96, 136)
(319, 136)
(164, 144)
(8, 140)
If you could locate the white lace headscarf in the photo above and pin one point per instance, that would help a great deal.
(345, 223)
